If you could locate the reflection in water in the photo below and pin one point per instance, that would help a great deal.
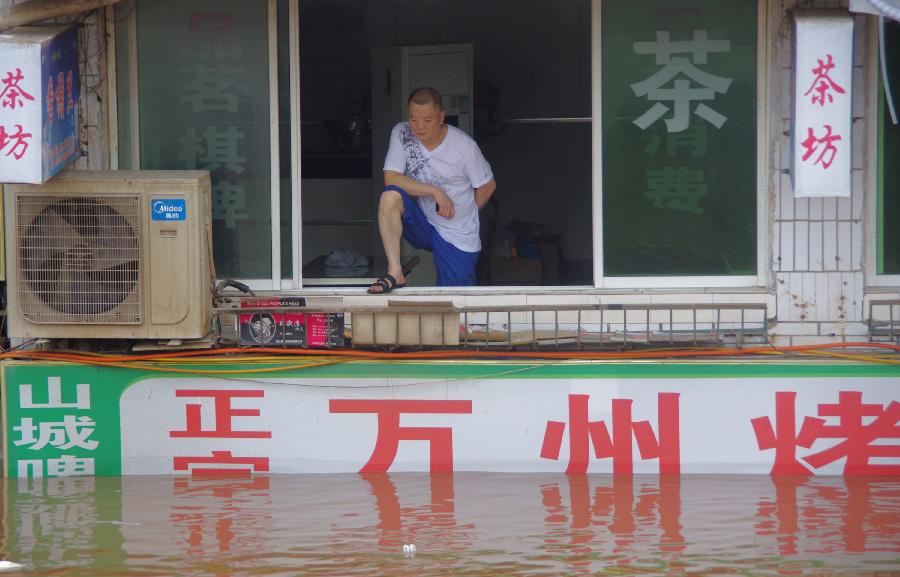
(462, 524)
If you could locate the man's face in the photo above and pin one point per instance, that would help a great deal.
(425, 120)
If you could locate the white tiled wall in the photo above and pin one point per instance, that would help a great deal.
(818, 242)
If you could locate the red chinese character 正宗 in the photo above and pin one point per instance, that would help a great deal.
(390, 433)
(812, 142)
(12, 93)
(822, 84)
(857, 437)
(618, 446)
(221, 464)
(224, 412)
(207, 512)
(17, 142)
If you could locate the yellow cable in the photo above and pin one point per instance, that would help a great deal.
(856, 357)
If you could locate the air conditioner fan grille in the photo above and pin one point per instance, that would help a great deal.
(79, 259)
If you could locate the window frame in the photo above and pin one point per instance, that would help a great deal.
(600, 282)
(876, 114)
(762, 177)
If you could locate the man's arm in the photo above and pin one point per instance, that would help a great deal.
(415, 188)
(483, 193)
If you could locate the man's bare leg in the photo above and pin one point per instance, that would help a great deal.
(390, 224)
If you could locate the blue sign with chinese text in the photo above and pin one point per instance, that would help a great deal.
(59, 67)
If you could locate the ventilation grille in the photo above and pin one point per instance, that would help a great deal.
(79, 259)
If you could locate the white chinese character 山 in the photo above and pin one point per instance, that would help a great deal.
(54, 396)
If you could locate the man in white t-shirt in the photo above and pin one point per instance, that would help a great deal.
(436, 180)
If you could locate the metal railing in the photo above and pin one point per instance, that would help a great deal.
(539, 327)
(884, 321)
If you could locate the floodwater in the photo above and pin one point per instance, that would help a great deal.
(465, 524)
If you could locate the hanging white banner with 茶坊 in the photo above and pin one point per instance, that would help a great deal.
(823, 77)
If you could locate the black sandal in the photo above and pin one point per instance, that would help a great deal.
(387, 282)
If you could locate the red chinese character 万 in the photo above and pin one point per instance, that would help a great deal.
(12, 93)
(224, 413)
(390, 433)
(16, 142)
(812, 142)
(857, 446)
(822, 84)
(618, 446)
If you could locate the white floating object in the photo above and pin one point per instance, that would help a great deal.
(409, 551)
(10, 566)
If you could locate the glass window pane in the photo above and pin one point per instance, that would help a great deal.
(204, 104)
(889, 207)
(679, 137)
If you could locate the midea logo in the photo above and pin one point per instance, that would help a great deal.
(162, 207)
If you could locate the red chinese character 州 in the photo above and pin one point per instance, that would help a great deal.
(224, 412)
(18, 141)
(390, 433)
(857, 438)
(618, 446)
(823, 83)
(811, 144)
(12, 93)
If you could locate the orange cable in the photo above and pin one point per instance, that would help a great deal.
(440, 354)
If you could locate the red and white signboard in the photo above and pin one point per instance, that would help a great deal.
(822, 104)
(796, 426)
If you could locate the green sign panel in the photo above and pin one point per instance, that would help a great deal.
(62, 420)
(679, 120)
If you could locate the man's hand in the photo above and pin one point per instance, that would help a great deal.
(444, 204)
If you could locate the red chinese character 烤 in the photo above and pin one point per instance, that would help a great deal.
(857, 445)
(12, 94)
(221, 464)
(390, 433)
(782, 437)
(812, 142)
(822, 84)
(16, 142)
(828, 515)
(618, 445)
(224, 413)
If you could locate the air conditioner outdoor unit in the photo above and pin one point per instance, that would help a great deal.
(113, 254)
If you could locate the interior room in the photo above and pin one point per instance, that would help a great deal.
(519, 81)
